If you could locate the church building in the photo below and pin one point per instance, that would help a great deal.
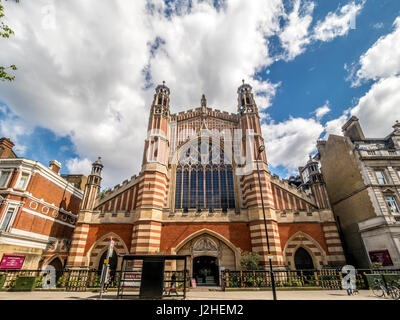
(198, 193)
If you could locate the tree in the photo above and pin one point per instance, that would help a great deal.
(6, 32)
(250, 261)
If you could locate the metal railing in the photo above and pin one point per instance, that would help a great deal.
(330, 279)
(81, 280)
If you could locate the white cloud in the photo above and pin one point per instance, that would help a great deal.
(382, 59)
(337, 23)
(335, 126)
(289, 143)
(322, 111)
(84, 74)
(378, 25)
(379, 106)
(295, 37)
(79, 166)
(88, 71)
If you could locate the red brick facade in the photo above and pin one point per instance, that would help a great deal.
(147, 216)
(38, 212)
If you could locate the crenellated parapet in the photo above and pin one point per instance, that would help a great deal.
(194, 113)
(299, 193)
(116, 191)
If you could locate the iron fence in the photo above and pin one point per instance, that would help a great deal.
(330, 279)
(81, 280)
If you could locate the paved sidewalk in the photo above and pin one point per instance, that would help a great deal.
(202, 295)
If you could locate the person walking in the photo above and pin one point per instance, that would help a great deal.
(349, 284)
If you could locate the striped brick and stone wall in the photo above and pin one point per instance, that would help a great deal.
(76, 257)
(259, 241)
(146, 237)
(334, 244)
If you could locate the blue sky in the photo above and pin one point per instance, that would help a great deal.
(85, 88)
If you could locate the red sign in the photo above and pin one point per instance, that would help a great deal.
(12, 261)
(381, 256)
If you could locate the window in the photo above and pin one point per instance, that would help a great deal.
(193, 189)
(185, 197)
(4, 177)
(178, 192)
(208, 185)
(381, 177)
(23, 181)
(392, 204)
(306, 176)
(7, 219)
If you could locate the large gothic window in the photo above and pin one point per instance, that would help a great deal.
(204, 185)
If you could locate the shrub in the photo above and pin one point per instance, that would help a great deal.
(250, 261)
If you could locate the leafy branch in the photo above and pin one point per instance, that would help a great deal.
(6, 32)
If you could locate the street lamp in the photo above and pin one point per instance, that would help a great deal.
(260, 150)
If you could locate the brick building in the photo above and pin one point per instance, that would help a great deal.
(362, 176)
(195, 195)
(38, 210)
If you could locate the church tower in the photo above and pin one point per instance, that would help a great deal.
(249, 122)
(154, 178)
(76, 257)
(92, 186)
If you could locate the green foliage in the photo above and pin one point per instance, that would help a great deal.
(234, 282)
(250, 261)
(39, 282)
(259, 282)
(6, 32)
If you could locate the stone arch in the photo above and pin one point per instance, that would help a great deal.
(50, 258)
(101, 245)
(188, 143)
(219, 240)
(305, 241)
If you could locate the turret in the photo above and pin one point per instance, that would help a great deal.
(246, 102)
(92, 186)
(249, 118)
(156, 145)
(312, 178)
(161, 101)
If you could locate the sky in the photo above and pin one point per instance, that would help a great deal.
(87, 73)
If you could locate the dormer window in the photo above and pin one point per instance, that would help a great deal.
(380, 176)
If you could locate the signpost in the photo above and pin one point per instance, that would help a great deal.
(106, 267)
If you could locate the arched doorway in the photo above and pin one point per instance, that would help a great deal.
(113, 262)
(206, 270)
(57, 264)
(303, 260)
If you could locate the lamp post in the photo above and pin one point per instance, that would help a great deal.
(260, 150)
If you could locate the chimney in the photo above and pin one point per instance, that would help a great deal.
(55, 166)
(352, 129)
(6, 146)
